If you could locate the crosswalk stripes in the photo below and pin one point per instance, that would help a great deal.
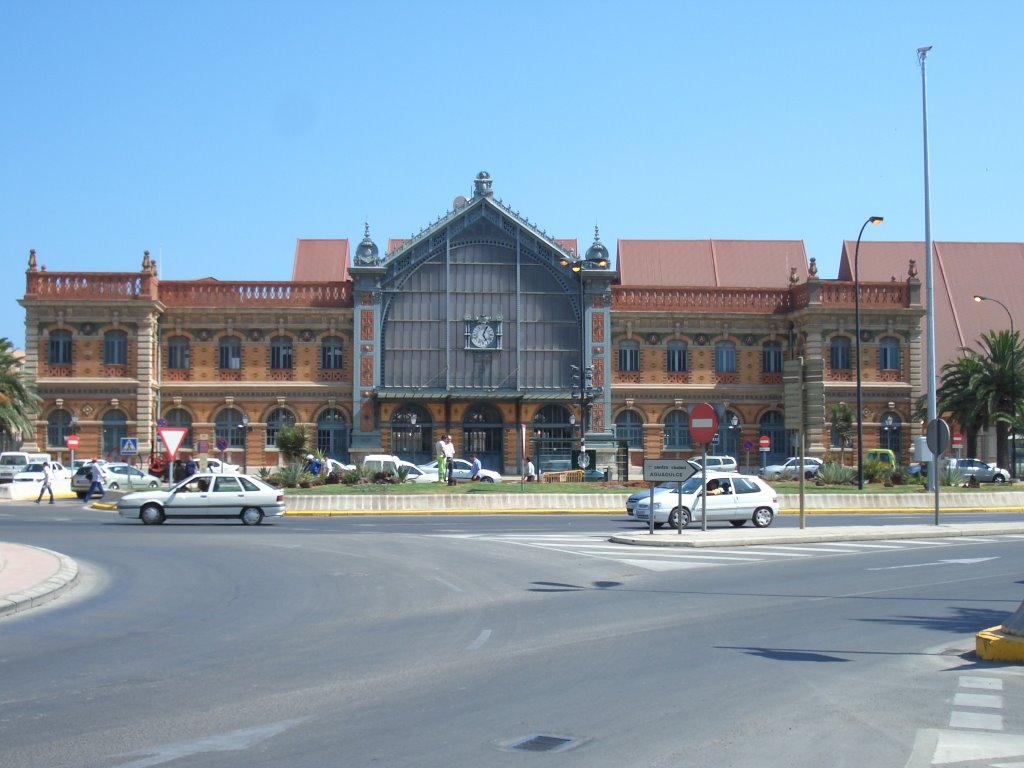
(670, 558)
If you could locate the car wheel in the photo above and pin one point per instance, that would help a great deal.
(154, 484)
(151, 514)
(738, 523)
(487, 479)
(252, 515)
(999, 478)
(112, 486)
(675, 515)
(763, 517)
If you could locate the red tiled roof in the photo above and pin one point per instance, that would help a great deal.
(711, 263)
(320, 261)
(960, 271)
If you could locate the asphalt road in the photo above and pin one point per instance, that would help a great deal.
(493, 641)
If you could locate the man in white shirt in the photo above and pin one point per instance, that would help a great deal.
(47, 482)
(449, 454)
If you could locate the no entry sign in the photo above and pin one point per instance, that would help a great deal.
(71, 441)
(703, 423)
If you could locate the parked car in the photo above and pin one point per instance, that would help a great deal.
(731, 496)
(13, 462)
(118, 476)
(382, 462)
(462, 471)
(979, 470)
(717, 463)
(883, 455)
(330, 465)
(789, 469)
(33, 473)
(206, 495)
(216, 465)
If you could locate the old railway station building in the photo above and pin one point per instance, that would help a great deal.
(483, 326)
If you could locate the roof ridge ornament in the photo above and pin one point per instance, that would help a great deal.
(367, 254)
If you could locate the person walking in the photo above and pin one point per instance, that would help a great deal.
(475, 466)
(47, 482)
(97, 476)
(439, 452)
(531, 470)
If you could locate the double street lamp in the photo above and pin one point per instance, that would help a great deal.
(1013, 385)
(583, 390)
(860, 399)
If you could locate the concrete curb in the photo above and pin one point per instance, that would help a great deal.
(62, 580)
(993, 644)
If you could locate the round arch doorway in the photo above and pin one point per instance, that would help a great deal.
(483, 433)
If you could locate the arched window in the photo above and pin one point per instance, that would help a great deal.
(115, 426)
(180, 418)
(177, 353)
(58, 427)
(332, 435)
(729, 429)
(675, 357)
(629, 356)
(677, 431)
(115, 348)
(229, 353)
(281, 353)
(839, 353)
(773, 427)
(278, 418)
(59, 348)
(331, 354)
(228, 427)
(725, 357)
(890, 433)
(630, 427)
(771, 357)
(889, 354)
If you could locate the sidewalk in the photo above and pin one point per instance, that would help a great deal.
(31, 576)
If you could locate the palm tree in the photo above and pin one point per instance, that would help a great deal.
(19, 402)
(957, 397)
(994, 385)
(842, 423)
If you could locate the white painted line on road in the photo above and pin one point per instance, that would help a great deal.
(668, 565)
(976, 720)
(817, 548)
(960, 747)
(987, 683)
(859, 545)
(482, 638)
(979, 700)
(760, 551)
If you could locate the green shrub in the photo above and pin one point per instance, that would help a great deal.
(877, 472)
(836, 474)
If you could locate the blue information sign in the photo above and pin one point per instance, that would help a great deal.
(129, 446)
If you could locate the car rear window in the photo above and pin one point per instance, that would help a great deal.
(743, 485)
(248, 484)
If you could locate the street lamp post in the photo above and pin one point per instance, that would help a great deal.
(860, 398)
(583, 390)
(1013, 385)
(245, 444)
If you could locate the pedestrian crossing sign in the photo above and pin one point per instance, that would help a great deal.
(129, 446)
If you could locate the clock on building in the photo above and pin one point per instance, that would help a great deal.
(483, 334)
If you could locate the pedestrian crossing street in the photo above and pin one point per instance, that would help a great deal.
(681, 558)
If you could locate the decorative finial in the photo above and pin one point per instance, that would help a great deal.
(812, 271)
(912, 271)
(793, 277)
(32, 259)
(146, 263)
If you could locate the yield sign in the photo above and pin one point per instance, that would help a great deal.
(172, 437)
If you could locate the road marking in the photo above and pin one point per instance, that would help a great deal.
(668, 565)
(963, 561)
(482, 638)
(988, 683)
(978, 720)
(960, 747)
(979, 700)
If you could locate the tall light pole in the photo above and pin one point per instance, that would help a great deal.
(1013, 384)
(860, 398)
(929, 278)
(583, 390)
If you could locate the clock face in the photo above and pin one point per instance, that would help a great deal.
(482, 335)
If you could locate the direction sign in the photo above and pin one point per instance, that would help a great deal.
(172, 438)
(71, 441)
(703, 423)
(129, 446)
(668, 470)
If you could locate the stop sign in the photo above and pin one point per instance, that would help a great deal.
(703, 423)
(72, 441)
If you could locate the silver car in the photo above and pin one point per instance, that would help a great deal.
(119, 477)
(206, 495)
(730, 496)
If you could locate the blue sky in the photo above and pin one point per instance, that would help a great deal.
(215, 134)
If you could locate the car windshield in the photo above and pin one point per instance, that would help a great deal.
(12, 461)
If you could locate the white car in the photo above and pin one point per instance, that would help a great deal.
(462, 471)
(789, 469)
(717, 463)
(206, 495)
(731, 496)
(216, 465)
(119, 476)
(33, 473)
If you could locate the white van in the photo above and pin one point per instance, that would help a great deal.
(13, 462)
